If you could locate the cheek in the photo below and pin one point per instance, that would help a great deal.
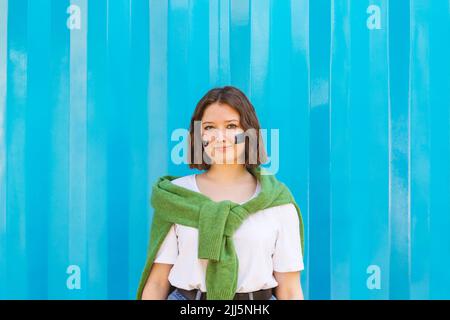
(209, 151)
(239, 149)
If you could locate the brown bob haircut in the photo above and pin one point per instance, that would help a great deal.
(236, 99)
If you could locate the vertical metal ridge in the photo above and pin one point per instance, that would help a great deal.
(3, 143)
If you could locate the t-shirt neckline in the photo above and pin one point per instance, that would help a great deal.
(194, 182)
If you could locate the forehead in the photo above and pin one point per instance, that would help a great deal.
(219, 113)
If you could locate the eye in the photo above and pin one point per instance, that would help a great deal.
(206, 128)
(233, 126)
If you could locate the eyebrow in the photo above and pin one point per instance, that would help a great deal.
(225, 121)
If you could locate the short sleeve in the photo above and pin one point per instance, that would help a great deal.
(168, 252)
(288, 255)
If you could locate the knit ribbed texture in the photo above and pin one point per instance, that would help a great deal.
(216, 223)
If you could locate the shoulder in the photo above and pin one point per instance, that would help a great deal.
(286, 212)
(288, 207)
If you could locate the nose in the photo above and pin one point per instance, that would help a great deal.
(220, 135)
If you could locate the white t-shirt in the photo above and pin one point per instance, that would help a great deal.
(267, 241)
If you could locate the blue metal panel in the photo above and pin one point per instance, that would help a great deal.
(355, 97)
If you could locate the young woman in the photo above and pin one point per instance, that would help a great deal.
(231, 232)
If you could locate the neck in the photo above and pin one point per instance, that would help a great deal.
(226, 173)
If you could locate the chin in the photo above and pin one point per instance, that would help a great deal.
(225, 161)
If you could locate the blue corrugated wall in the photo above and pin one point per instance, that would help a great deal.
(92, 91)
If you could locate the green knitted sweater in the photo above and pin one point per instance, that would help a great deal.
(216, 223)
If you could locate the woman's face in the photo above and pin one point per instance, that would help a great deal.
(220, 124)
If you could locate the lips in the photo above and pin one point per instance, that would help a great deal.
(222, 147)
